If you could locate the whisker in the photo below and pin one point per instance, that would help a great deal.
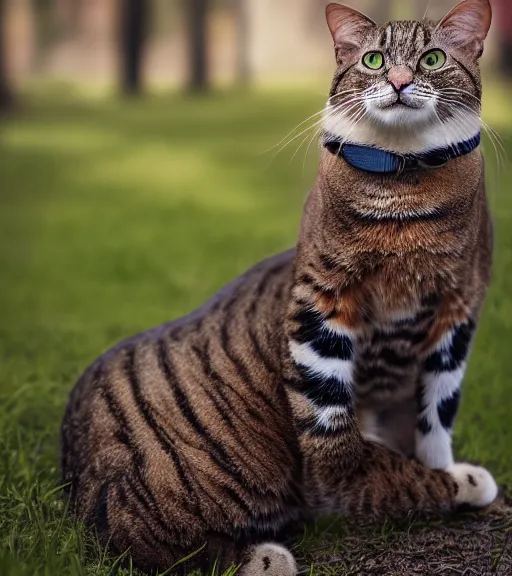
(287, 143)
(484, 124)
(349, 105)
(443, 128)
(303, 142)
(321, 112)
(356, 122)
(499, 150)
(315, 135)
(461, 91)
(330, 114)
(427, 9)
(326, 113)
(344, 93)
(465, 111)
(296, 128)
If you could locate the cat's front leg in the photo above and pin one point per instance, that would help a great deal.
(343, 472)
(439, 396)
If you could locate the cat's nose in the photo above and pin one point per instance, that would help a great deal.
(400, 77)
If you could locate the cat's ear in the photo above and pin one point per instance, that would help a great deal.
(467, 25)
(348, 28)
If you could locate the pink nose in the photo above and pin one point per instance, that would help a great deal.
(400, 77)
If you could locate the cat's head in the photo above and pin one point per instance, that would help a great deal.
(407, 86)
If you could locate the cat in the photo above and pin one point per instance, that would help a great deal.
(326, 379)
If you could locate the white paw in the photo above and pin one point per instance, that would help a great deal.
(476, 486)
(270, 560)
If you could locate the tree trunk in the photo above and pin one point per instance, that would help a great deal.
(243, 66)
(198, 44)
(44, 31)
(506, 57)
(6, 97)
(134, 31)
(503, 19)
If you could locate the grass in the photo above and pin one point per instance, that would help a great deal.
(116, 216)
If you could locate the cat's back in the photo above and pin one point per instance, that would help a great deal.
(192, 409)
(261, 291)
(240, 316)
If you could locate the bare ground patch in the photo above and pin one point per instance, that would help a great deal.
(469, 544)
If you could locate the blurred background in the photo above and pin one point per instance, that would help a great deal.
(195, 43)
(144, 163)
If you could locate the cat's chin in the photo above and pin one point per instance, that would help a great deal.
(401, 117)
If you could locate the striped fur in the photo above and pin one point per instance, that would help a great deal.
(303, 387)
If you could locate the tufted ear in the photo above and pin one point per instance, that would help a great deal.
(348, 28)
(467, 25)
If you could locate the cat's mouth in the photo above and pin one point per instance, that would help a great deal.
(403, 109)
(404, 101)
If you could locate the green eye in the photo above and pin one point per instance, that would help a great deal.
(374, 60)
(433, 60)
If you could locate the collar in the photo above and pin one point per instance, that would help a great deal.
(375, 160)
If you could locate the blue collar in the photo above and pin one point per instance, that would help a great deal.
(379, 161)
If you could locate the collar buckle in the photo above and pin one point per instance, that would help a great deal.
(402, 165)
(426, 166)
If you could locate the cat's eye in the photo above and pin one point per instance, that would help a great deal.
(374, 60)
(433, 60)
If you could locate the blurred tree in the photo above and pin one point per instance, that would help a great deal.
(506, 56)
(134, 17)
(45, 30)
(6, 96)
(504, 25)
(243, 66)
(197, 12)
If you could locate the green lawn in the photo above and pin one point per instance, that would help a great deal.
(117, 216)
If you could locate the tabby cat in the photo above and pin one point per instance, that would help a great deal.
(325, 379)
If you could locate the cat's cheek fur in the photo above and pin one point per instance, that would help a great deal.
(476, 486)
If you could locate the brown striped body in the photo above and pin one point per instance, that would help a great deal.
(186, 432)
(324, 380)
(156, 439)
